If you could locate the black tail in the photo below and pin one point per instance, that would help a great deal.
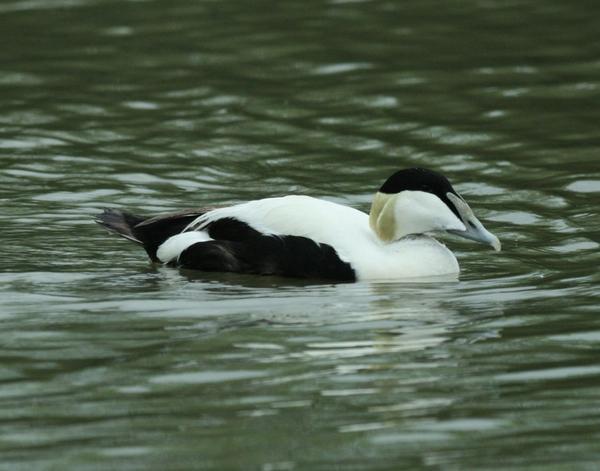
(120, 223)
(149, 232)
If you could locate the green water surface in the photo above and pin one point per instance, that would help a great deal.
(109, 363)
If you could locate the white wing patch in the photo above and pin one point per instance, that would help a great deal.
(171, 248)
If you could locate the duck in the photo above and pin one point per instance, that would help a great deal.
(305, 237)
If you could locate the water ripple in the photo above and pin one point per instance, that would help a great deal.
(109, 360)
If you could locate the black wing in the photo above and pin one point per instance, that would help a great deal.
(240, 248)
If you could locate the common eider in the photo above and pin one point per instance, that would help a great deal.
(305, 237)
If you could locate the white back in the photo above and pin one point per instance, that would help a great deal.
(319, 220)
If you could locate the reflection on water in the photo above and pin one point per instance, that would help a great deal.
(108, 362)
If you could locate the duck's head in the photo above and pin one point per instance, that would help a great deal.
(416, 201)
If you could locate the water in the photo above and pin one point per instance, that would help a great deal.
(109, 363)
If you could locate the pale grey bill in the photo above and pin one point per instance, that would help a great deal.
(474, 229)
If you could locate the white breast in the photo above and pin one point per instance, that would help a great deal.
(408, 258)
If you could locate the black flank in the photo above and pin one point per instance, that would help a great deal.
(291, 256)
(231, 229)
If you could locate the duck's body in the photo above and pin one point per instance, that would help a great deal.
(301, 236)
(346, 230)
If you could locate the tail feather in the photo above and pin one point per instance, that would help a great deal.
(148, 232)
(120, 223)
